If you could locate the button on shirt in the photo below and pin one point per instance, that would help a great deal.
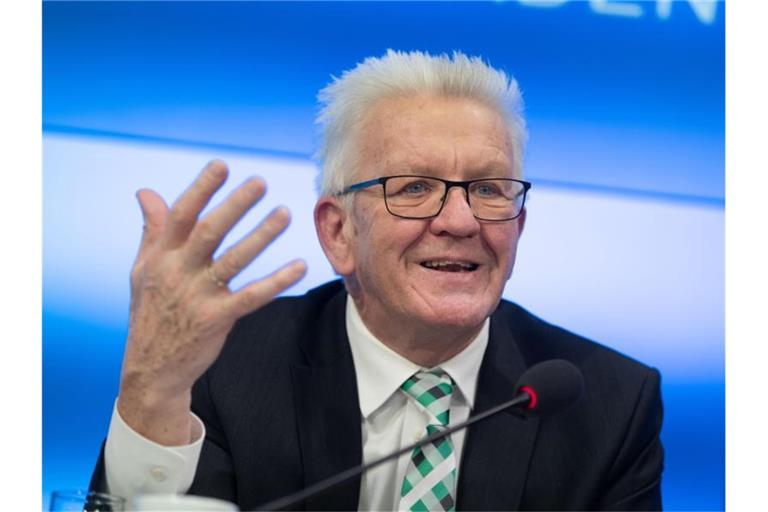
(390, 420)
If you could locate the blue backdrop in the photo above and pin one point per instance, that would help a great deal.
(624, 244)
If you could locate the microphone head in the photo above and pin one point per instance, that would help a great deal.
(553, 386)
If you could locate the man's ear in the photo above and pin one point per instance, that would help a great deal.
(334, 233)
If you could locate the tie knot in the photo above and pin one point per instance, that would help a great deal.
(432, 390)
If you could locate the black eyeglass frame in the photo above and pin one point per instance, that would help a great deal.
(448, 185)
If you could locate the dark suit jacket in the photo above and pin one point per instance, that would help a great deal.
(281, 411)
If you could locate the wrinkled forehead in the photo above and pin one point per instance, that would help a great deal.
(441, 136)
(463, 161)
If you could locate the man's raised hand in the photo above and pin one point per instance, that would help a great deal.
(181, 306)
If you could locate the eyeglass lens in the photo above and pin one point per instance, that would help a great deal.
(420, 197)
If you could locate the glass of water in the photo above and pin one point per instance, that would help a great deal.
(85, 501)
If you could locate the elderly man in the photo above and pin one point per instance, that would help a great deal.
(231, 394)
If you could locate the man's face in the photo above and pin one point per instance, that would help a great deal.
(397, 280)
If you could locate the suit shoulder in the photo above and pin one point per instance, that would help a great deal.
(290, 312)
(539, 340)
(278, 327)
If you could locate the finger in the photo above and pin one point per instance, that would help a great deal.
(154, 211)
(211, 229)
(237, 257)
(260, 292)
(185, 210)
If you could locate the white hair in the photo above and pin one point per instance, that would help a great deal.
(345, 101)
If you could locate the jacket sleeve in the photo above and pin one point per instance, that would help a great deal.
(215, 475)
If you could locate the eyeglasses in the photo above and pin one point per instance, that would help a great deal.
(423, 197)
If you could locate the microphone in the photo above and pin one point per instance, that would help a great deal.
(543, 390)
(552, 387)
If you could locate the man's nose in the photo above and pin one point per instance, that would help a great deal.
(456, 217)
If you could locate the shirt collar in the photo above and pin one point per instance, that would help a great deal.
(380, 370)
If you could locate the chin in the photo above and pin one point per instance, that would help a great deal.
(459, 313)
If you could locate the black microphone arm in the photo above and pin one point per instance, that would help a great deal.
(334, 480)
(545, 389)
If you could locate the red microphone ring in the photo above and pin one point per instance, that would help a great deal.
(531, 393)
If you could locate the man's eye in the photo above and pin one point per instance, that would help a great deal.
(415, 188)
(487, 190)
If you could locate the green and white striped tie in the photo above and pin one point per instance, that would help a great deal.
(430, 480)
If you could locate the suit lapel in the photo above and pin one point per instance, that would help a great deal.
(327, 409)
(497, 451)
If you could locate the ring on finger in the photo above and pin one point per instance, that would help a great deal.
(214, 278)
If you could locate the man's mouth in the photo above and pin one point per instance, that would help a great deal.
(450, 265)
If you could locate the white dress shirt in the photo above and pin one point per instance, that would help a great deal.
(390, 420)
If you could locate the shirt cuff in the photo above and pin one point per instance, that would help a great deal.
(136, 465)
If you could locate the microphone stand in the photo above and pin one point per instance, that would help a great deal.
(334, 480)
